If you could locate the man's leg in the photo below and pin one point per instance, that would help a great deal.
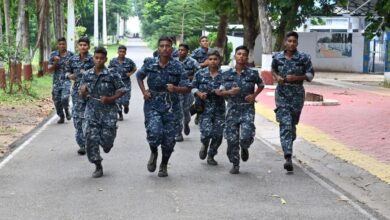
(170, 121)
(154, 135)
(92, 140)
(65, 94)
(188, 100)
(287, 136)
(247, 132)
(56, 96)
(216, 138)
(206, 127)
(231, 134)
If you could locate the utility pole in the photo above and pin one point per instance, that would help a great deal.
(71, 26)
(104, 23)
(96, 24)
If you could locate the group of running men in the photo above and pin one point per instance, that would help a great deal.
(178, 85)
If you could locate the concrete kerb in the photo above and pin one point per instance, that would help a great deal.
(366, 190)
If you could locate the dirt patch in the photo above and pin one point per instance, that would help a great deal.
(16, 121)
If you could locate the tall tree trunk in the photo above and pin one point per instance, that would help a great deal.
(221, 35)
(182, 27)
(286, 22)
(248, 15)
(20, 31)
(7, 21)
(26, 36)
(58, 17)
(96, 23)
(1, 27)
(42, 15)
(265, 27)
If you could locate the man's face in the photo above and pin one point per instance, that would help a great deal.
(213, 61)
(241, 57)
(204, 43)
(83, 47)
(61, 46)
(99, 59)
(165, 48)
(183, 52)
(121, 53)
(291, 43)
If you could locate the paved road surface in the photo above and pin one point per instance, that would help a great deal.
(48, 180)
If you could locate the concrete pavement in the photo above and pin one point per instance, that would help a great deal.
(46, 179)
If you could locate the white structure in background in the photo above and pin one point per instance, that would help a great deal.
(71, 26)
(104, 23)
(96, 23)
(334, 24)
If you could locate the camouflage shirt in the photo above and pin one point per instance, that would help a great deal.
(190, 66)
(200, 54)
(122, 68)
(246, 81)
(79, 67)
(60, 70)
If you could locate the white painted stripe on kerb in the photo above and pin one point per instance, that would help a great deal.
(324, 184)
(27, 142)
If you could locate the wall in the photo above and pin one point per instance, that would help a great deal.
(308, 44)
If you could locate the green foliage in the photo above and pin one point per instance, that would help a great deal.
(80, 31)
(37, 89)
(228, 48)
(193, 42)
(379, 21)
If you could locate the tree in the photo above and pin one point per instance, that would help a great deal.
(265, 26)
(288, 15)
(378, 21)
(7, 21)
(248, 14)
(59, 19)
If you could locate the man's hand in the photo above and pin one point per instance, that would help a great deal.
(218, 92)
(72, 76)
(234, 90)
(171, 87)
(280, 80)
(147, 95)
(250, 98)
(106, 100)
(56, 59)
(83, 90)
(202, 95)
(291, 78)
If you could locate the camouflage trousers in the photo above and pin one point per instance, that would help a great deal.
(183, 113)
(60, 96)
(78, 110)
(99, 130)
(239, 129)
(125, 99)
(289, 103)
(161, 127)
(211, 129)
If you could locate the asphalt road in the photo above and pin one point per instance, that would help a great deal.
(46, 179)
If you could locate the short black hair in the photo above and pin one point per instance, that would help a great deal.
(185, 46)
(121, 47)
(292, 34)
(214, 53)
(200, 39)
(85, 40)
(61, 39)
(101, 50)
(165, 38)
(242, 47)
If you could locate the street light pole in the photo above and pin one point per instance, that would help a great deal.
(71, 26)
(96, 24)
(104, 23)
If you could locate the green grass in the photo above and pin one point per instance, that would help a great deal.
(35, 90)
(8, 130)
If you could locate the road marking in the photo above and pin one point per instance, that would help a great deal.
(328, 144)
(27, 142)
(323, 183)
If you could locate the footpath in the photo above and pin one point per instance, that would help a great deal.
(347, 144)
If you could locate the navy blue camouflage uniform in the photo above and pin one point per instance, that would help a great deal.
(200, 54)
(123, 69)
(240, 115)
(61, 85)
(162, 108)
(191, 66)
(78, 67)
(100, 119)
(212, 120)
(290, 97)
